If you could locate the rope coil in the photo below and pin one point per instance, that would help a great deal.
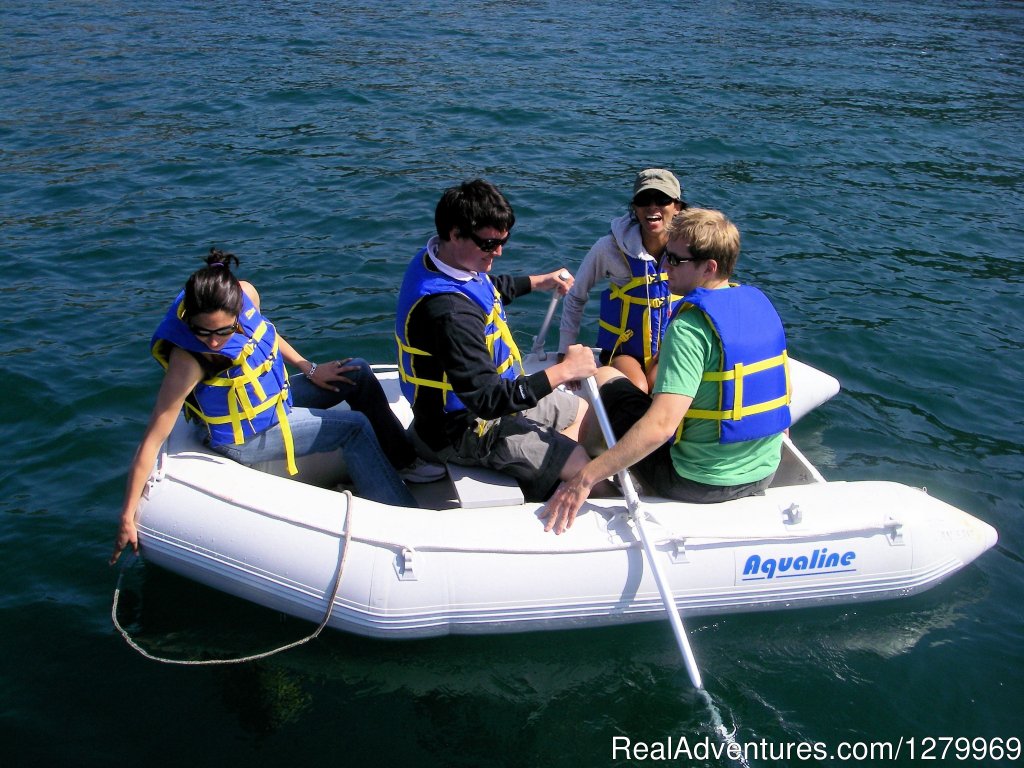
(342, 557)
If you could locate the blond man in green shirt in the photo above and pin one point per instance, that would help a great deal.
(678, 440)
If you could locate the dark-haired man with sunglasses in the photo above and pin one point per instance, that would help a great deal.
(712, 428)
(460, 368)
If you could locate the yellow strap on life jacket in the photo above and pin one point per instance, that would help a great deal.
(622, 332)
(234, 417)
(418, 381)
(621, 291)
(738, 413)
(286, 433)
(238, 399)
(405, 372)
(236, 412)
(514, 359)
(741, 370)
(241, 405)
(502, 331)
(736, 375)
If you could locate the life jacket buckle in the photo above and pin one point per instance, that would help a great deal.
(483, 426)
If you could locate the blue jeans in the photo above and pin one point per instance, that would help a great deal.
(318, 430)
(366, 396)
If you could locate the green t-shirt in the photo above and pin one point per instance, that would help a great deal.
(690, 348)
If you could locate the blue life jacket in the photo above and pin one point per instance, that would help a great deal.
(251, 394)
(753, 383)
(415, 367)
(634, 316)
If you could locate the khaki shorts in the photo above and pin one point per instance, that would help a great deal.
(528, 446)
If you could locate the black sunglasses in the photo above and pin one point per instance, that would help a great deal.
(202, 333)
(674, 260)
(659, 199)
(488, 244)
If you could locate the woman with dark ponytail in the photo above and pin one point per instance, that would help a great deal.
(225, 365)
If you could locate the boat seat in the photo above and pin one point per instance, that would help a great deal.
(478, 487)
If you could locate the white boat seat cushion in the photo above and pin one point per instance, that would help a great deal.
(478, 487)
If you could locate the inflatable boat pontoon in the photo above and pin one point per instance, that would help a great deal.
(477, 560)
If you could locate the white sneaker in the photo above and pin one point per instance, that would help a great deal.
(421, 471)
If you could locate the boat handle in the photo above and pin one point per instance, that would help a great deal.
(793, 515)
(895, 528)
(404, 565)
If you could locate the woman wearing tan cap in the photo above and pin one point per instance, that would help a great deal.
(637, 305)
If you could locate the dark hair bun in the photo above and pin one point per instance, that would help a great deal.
(218, 258)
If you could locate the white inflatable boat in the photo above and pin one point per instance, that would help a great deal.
(477, 560)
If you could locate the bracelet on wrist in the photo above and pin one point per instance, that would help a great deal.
(311, 371)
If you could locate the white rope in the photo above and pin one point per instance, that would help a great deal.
(766, 536)
(668, 535)
(474, 550)
(343, 556)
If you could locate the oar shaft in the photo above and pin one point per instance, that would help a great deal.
(538, 343)
(633, 500)
(538, 340)
(669, 599)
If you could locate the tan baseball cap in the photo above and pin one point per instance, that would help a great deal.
(659, 179)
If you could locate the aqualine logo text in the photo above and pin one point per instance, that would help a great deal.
(819, 562)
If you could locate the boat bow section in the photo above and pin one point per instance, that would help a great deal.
(847, 542)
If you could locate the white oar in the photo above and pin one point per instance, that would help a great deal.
(538, 340)
(633, 502)
(637, 515)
